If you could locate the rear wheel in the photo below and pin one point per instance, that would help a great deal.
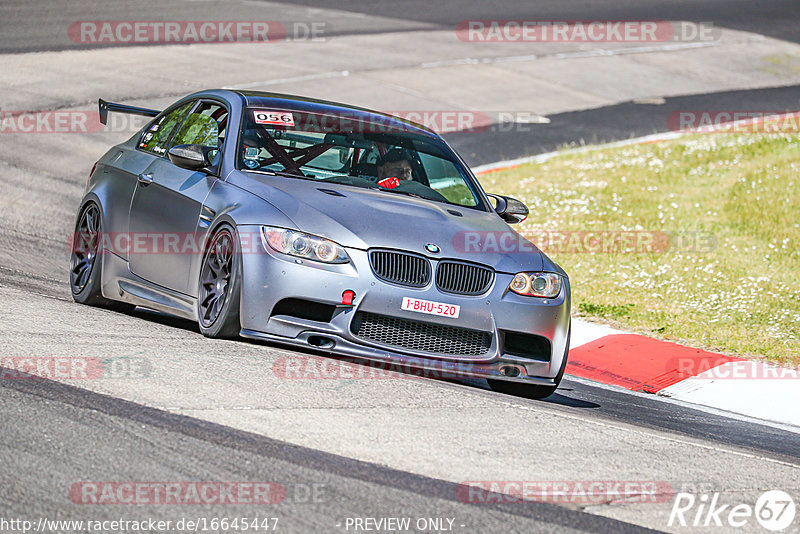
(220, 286)
(85, 264)
(532, 391)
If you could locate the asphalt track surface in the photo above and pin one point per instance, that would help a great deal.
(156, 445)
(611, 123)
(36, 26)
(395, 448)
(29, 26)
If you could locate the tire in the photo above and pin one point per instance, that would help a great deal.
(220, 286)
(532, 391)
(85, 264)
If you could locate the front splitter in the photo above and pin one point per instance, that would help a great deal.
(433, 368)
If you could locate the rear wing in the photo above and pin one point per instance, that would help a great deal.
(105, 107)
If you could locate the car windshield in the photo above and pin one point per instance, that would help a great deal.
(347, 150)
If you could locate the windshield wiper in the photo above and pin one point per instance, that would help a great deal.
(409, 193)
(365, 184)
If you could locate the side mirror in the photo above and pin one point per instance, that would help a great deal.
(510, 209)
(192, 157)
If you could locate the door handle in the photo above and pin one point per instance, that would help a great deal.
(146, 179)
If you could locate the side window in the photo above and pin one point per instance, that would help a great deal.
(156, 137)
(444, 177)
(205, 126)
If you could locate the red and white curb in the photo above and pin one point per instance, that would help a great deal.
(639, 363)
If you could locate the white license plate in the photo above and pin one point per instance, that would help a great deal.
(430, 307)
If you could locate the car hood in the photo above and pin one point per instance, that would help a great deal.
(364, 218)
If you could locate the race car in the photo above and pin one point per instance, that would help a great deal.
(321, 225)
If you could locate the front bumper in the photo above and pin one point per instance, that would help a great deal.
(270, 277)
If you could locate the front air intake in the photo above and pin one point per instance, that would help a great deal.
(420, 336)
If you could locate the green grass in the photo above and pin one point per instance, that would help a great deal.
(457, 193)
(728, 206)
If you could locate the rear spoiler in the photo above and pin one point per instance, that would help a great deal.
(105, 107)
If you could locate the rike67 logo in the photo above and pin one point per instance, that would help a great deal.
(774, 510)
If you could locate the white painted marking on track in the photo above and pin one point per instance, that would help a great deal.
(578, 54)
(751, 388)
(303, 78)
(584, 332)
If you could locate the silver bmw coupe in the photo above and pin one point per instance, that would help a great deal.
(316, 224)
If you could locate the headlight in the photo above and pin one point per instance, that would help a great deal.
(546, 285)
(302, 245)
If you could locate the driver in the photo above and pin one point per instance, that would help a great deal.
(395, 163)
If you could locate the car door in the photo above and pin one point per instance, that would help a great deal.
(165, 209)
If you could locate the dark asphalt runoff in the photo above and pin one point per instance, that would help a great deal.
(611, 123)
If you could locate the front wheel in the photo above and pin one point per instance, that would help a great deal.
(220, 286)
(532, 391)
